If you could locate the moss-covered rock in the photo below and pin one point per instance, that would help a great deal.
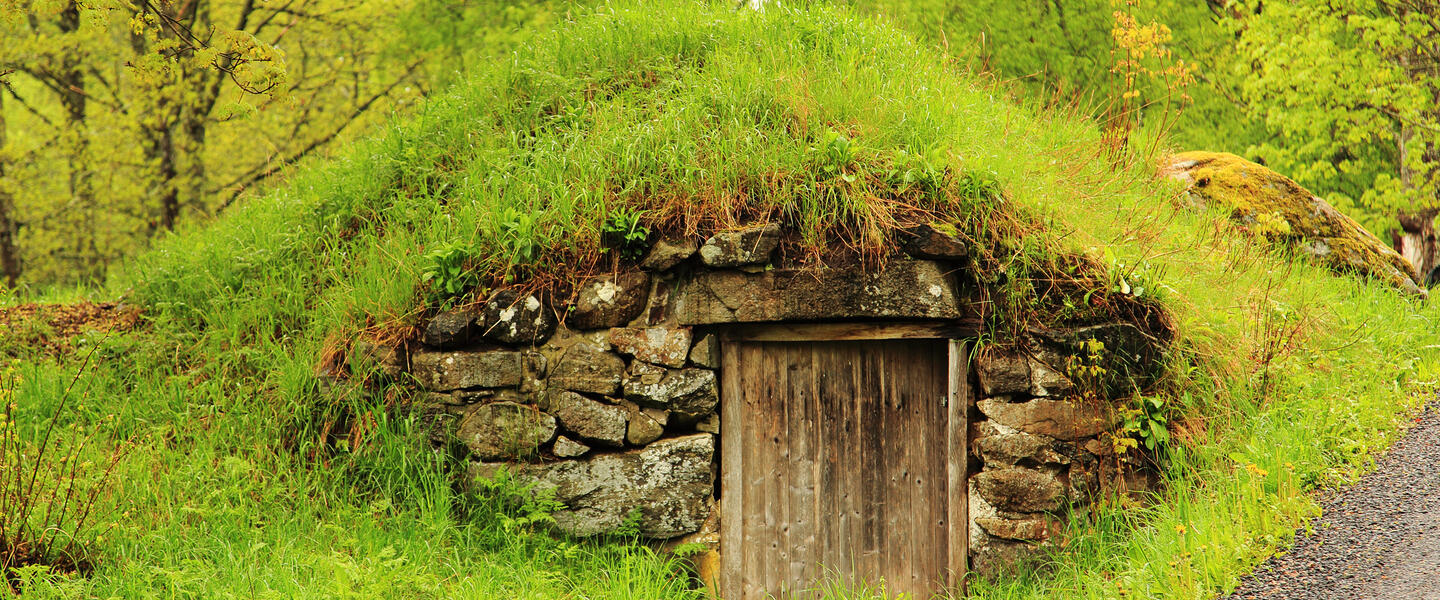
(1267, 203)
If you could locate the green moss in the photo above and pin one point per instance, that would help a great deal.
(1270, 204)
(945, 228)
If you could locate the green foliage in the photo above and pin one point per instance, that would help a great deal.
(690, 549)
(217, 499)
(1066, 49)
(459, 36)
(1346, 91)
(446, 269)
(1324, 92)
(524, 509)
(979, 186)
(625, 230)
(125, 121)
(835, 587)
(1147, 423)
(630, 527)
(835, 156)
(51, 485)
(609, 132)
(517, 235)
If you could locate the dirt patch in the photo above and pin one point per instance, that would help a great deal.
(52, 328)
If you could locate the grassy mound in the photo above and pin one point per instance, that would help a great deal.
(622, 127)
(249, 477)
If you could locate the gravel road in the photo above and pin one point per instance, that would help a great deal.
(1377, 540)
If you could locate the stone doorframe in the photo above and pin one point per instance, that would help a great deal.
(960, 400)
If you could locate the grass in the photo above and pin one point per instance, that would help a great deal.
(211, 504)
(686, 118)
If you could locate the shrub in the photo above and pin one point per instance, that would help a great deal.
(48, 488)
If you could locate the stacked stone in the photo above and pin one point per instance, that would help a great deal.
(614, 409)
(1038, 443)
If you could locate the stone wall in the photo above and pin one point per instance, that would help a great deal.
(1038, 441)
(612, 401)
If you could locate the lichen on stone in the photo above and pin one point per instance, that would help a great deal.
(1273, 206)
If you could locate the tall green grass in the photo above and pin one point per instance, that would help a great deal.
(693, 116)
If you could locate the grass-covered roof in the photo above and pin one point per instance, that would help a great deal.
(684, 121)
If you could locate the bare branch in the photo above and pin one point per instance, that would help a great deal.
(228, 62)
(243, 182)
(26, 105)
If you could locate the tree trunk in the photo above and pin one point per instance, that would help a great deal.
(164, 151)
(196, 128)
(195, 116)
(1416, 239)
(10, 268)
(1417, 243)
(73, 97)
(157, 134)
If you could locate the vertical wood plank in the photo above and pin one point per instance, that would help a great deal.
(892, 446)
(817, 446)
(801, 515)
(732, 486)
(869, 399)
(764, 478)
(924, 397)
(757, 469)
(957, 432)
(912, 388)
(825, 466)
(779, 505)
(838, 557)
(847, 393)
(937, 468)
(938, 471)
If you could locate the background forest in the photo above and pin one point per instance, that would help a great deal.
(121, 120)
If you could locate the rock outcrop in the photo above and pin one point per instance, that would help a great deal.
(610, 301)
(505, 430)
(1267, 203)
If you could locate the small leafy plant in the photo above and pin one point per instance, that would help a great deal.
(625, 232)
(983, 185)
(519, 231)
(1140, 280)
(519, 506)
(630, 527)
(926, 171)
(1148, 423)
(1087, 369)
(835, 155)
(447, 271)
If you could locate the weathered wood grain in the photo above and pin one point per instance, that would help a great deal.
(957, 463)
(731, 484)
(846, 452)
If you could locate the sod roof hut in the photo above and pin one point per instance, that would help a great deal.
(746, 280)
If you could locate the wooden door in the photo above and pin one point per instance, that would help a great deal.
(842, 461)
